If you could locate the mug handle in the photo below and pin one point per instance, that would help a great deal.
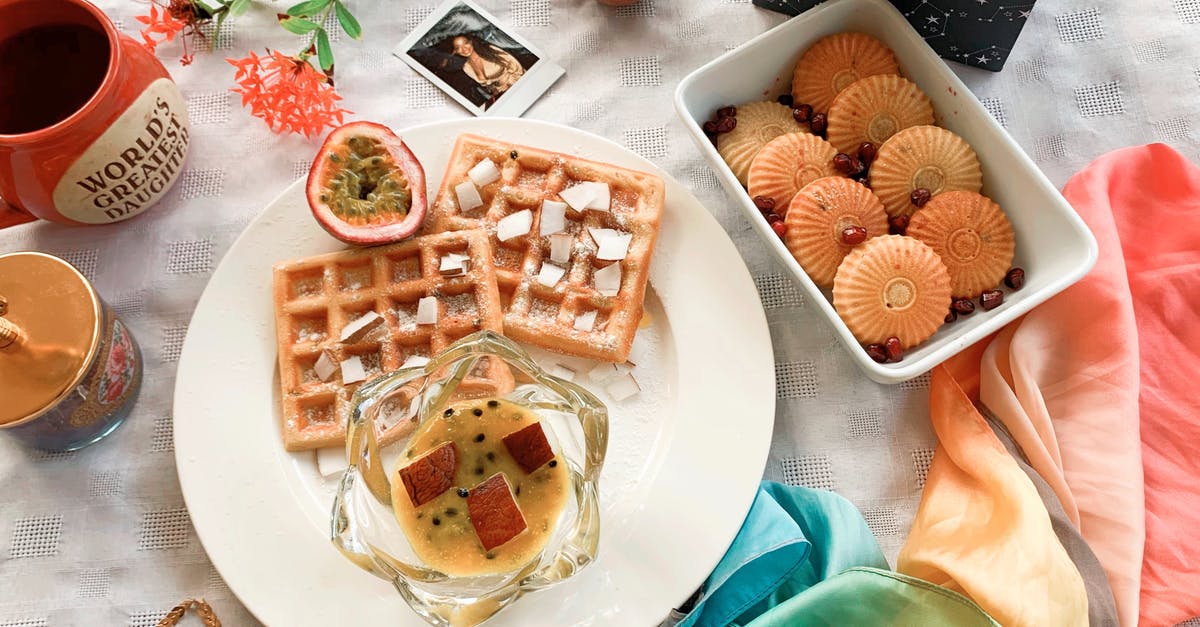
(12, 215)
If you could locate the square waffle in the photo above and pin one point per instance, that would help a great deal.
(535, 313)
(316, 297)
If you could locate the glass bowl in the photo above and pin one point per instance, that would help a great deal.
(363, 525)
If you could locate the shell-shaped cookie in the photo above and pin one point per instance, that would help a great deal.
(892, 286)
(787, 163)
(836, 61)
(972, 236)
(928, 157)
(815, 219)
(757, 124)
(875, 108)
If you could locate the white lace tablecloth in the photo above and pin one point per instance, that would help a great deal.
(101, 536)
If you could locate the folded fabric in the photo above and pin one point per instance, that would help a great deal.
(981, 528)
(1102, 610)
(1064, 381)
(792, 539)
(1153, 194)
(869, 596)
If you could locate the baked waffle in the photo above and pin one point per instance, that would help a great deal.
(316, 297)
(533, 312)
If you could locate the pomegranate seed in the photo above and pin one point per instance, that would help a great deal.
(764, 203)
(962, 306)
(854, 235)
(920, 196)
(726, 112)
(710, 127)
(780, 228)
(785, 100)
(950, 317)
(818, 123)
(895, 352)
(877, 352)
(724, 125)
(802, 113)
(866, 152)
(991, 299)
(843, 163)
(1015, 278)
(898, 225)
(773, 218)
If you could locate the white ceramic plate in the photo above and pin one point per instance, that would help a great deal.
(1053, 245)
(684, 461)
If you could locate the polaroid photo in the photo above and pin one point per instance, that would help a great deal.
(465, 51)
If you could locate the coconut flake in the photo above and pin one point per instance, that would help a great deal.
(560, 247)
(331, 460)
(454, 264)
(324, 366)
(600, 197)
(554, 217)
(579, 196)
(355, 331)
(514, 225)
(614, 247)
(550, 274)
(427, 310)
(603, 372)
(353, 371)
(415, 361)
(561, 371)
(623, 387)
(608, 279)
(585, 321)
(468, 196)
(599, 235)
(484, 172)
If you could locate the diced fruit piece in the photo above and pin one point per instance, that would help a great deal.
(529, 447)
(431, 474)
(494, 512)
(365, 186)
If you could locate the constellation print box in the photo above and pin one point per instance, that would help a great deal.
(979, 33)
(1054, 246)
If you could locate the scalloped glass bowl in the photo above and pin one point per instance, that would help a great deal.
(365, 530)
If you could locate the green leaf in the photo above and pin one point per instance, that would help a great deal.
(346, 19)
(308, 7)
(238, 7)
(299, 25)
(324, 52)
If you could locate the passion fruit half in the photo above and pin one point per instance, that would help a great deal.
(366, 187)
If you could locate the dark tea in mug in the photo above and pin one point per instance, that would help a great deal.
(47, 73)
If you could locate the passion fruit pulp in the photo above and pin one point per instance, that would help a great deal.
(366, 186)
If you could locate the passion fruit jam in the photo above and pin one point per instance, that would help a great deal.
(366, 185)
(440, 531)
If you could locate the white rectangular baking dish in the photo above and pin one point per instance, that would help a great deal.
(1052, 243)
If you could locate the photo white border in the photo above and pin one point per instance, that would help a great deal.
(513, 102)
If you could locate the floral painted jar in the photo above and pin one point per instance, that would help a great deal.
(70, 371)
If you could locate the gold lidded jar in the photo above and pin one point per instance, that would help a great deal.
(70, 370)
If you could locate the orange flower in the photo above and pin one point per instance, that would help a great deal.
(179, 16)
(288, 93)
(159, 24)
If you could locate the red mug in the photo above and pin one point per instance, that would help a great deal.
(92, 128)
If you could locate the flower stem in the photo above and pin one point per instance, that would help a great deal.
(312, 40)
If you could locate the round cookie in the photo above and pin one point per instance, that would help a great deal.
(928, 157)
(757, 124)
(815, 219)
(892, 286)
(972, 236)
(836, 61)
(787, 163)
(875, 108)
